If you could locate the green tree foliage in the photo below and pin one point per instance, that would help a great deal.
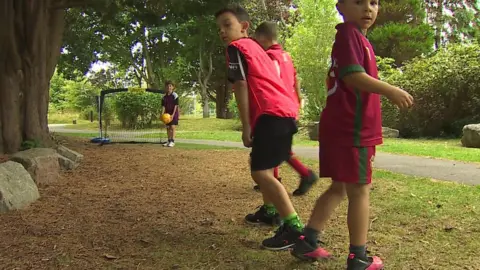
(400, 31)
(402, 41)
(57, 92)
(446, 92)
(454, 20)
(310, 47)
(72, 95)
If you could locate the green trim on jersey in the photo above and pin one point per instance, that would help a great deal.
(350, 69)
(358, 120)
(362, 164)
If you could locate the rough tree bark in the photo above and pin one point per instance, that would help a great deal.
(224, 94)
(30, 41)
(151, 76)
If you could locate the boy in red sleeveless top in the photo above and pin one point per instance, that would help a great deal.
(267, 113)
(350, 128)
(266, 35)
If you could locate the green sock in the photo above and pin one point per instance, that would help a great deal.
(293, 221)
(270, 209)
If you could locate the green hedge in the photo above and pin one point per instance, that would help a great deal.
(446, 89)
(137, 110)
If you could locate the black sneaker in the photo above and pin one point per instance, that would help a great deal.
(306, 252)
(371, 263)
(261, 218)
(284, 238)
(306, 183)
(257, 187)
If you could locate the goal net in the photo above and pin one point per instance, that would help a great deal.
(130, 115)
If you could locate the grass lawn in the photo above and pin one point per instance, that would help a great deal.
(121, 210)
(66, 118)
(228, 130)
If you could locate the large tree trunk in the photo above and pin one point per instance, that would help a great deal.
(30, 41)
(152, 81)
(206, 107)
(223, 99)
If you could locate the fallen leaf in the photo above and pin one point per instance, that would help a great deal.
(110, 257)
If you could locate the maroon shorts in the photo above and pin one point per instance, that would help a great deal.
(347, 164)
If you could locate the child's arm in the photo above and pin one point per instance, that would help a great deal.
(241, 96)
(174, 110)
(176, 105)
(363, 81)
(237, 70)
(163, 106)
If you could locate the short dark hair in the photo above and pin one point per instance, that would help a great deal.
(168, 82)
(237, 10)
(267, 29)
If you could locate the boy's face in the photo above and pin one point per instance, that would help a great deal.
(230, 28)
(362, 12)
(170, 88)
(263, 41)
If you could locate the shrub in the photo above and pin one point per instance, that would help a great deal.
(446, 88)
(232, 107)
(137, 110)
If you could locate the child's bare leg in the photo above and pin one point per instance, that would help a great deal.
(358, 217)
(172, 132)
(274, 191)
(169, 132)
(326, 205)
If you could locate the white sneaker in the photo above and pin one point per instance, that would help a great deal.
(171, 144)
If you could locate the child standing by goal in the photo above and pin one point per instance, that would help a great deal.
(266, 36)
(350, 128)
(170, 105)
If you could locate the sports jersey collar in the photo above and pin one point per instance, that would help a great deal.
(243, 38)
(275, 47)
(350, 23)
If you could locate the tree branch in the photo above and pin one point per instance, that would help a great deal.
(211, 96)
(64, 4)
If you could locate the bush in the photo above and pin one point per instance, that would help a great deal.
(85, 113)
(446, 89)
(137, 110)
(233, 108)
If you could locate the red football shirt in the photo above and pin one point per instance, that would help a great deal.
(287, 69)
(352, 117)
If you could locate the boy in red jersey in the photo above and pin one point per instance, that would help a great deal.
(350, 128)
(266, 35)
(267, 113)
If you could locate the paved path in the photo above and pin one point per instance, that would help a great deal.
(447, 170)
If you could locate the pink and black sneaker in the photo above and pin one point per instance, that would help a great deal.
(306, 252)
(372, 263)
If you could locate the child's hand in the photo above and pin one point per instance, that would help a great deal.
(247, 137)
(401, 98)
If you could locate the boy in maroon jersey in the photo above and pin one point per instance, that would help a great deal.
(350, 128)
(267, 113)
(170, 104)
(266, 36)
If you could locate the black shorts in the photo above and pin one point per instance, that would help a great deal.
(272, 142)
(174, 122)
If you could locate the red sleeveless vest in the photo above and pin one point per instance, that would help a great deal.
(287, 69)
(266, 90)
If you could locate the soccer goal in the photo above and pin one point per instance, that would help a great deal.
(130, 115)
